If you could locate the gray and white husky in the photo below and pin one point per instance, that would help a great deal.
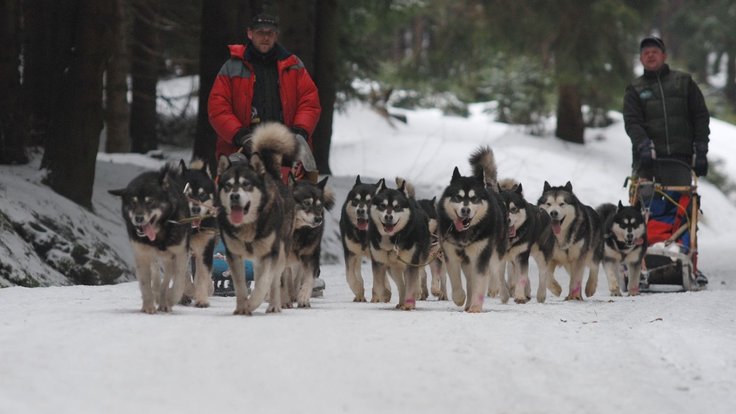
(256, 215)
(473, 230)
(578, 238)
(153, 205)
(625, 243)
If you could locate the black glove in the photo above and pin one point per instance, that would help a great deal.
(647, 155)
(242, 139)
(299, 131)
(700, 159)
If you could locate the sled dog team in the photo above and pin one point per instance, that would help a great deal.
(480, 228)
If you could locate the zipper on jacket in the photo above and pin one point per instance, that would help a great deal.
(664, 109)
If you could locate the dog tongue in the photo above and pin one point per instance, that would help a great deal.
(459, 225)
(195, 224)
(362, 225)
(236, 215)
(150, 232)
(556, 227)
(512, 232)
(639, 241)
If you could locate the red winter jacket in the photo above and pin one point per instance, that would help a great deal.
(229, 105)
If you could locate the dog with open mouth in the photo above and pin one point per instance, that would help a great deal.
(154, 208)
(473, 231)
(399, 240)
(256, 215)
(303, 263)
(578, 237)
(624, 242)
(354, 221)
(530, 234)
(199, 189)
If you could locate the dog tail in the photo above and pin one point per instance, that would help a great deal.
(605, 211)
(508, 184)
(408, 187)
(274, 142)
(483, 163)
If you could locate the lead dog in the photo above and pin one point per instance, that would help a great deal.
(256, 216)
(398, 236)
(153, 204)
(578, 237)
(473, 230)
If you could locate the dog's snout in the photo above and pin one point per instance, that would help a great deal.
(234, 197)
(139, 219)
(554, 214)
(196, 209)
(465, 211)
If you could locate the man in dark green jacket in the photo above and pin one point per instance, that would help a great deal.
(665, 116)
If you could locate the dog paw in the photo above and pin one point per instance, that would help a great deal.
(164, 308)
(201, 304)
(442, 296)
(541, 298)
(273, 309)
(406, 306)
(616, 293)
(634, 291)
(458, 297)
(361, 299)
(554, 287)
(242, 310)
(149, 309)
(521, 300)
(575, 296)
(474, 309)
(493, 292)
(185, 300)
(304, 304)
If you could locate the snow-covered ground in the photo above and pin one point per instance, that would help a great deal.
(83, 349)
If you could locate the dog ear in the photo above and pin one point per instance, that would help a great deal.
(547, 187)
(518, 190)
(321, 185)
(357, 180)
(568, 187)
(328, 196)
(620, 205)
(455, 174)
(380, 185)
(257, 163)
(223, 164)
(119, 192)
(182, 165)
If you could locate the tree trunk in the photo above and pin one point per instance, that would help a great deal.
(730, 88)
(13, 126)
(223, 23)
(325, 75)
(145, 61)
(117, 111)
(40, 75)
(297, 29)
(85, 41)
(570, 126)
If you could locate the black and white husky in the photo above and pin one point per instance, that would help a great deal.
(354, 221)
(199, 189)
(578, 238)
(625, 242)
(153, 207)
(256, 216)
(473, 230)
(311, 200)
(398, 237)
(530, 234)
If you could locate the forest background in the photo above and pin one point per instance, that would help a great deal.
(80, 76)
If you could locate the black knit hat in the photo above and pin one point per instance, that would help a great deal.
(652, 41)
(264, 21)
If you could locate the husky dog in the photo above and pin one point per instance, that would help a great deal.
(530, 233)
(199, 190)
(624, 242)
(311, 201)
(436, 263)
(578, 238)
(473, 230)
(256, 215)
(354, 235)
(153, 204)
(398, 236)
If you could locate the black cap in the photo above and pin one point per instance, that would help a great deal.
(264, 21)
(652, 41)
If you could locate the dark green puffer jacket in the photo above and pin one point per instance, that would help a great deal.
(668, 108)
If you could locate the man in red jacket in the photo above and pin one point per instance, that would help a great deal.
(261, 82)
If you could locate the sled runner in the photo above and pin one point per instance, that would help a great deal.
(670, 204)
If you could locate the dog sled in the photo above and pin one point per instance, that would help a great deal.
(670, 204)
